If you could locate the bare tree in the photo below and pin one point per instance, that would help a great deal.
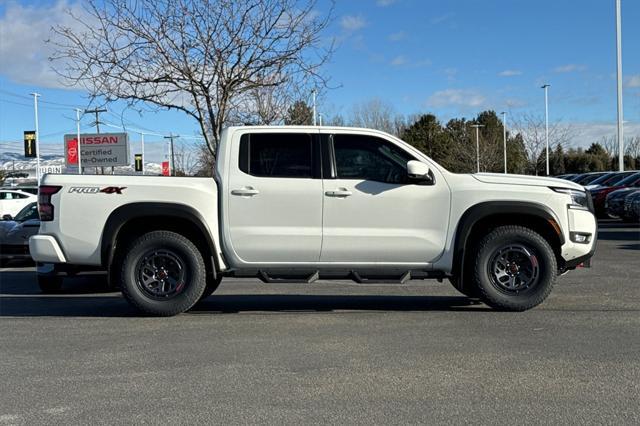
(377, 114)
(532, 129)
(202, 57)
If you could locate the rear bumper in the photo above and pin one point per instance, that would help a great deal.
(45, 248)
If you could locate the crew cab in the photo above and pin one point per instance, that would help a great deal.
(295, 203)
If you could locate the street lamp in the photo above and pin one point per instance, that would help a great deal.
(504, 138)
(619, 87)
(477, 126)
(546, 121)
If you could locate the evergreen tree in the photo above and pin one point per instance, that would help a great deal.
(299, 114)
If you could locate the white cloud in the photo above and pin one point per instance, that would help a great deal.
(585, 133)
(515, 103)
(509, 73)
(23, 50)
(456, 97)
(633, 81)
(399, 61)
(440, 19)
(570, 68)
(399, 36)
(352, 22)
(385, 3)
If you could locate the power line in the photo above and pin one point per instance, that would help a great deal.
(17, 95)
(31, 106)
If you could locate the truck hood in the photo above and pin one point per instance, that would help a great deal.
(502, 179)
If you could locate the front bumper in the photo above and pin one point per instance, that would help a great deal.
(574, 253)
(45, 248)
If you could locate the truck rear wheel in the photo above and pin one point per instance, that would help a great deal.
(163, 274)
(515, 268)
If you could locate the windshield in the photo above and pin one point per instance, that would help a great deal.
(611, 179)
(633, 180)
(27, 213)
(602, 180)
(587, 179)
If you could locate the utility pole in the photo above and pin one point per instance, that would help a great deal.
(477, 127)
(172, 137)
(320, 118)
(96, 111)
(35, 110)
(619, 86)
(504, 138)
(546, 121)
(313, 93)
(78, 136)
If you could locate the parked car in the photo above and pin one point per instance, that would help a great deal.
(631, 211)
(15, 233)
(599, 194)
(610, 179)
(294, 203)
(12, 201)
(614, 202)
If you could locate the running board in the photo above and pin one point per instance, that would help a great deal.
(307, 277)
(355, 276)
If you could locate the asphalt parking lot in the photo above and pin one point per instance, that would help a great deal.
(328, 352)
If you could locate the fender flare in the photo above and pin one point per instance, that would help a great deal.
(485, 209)
(127, 212)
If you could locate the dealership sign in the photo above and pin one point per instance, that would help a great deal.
(97, 149)
(55, 169)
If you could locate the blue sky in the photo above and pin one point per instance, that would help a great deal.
(452, 58)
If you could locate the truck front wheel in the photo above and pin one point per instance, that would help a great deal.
(515, 268)
(163, 273)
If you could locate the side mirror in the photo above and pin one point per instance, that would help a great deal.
(7, 217)
(419, 172)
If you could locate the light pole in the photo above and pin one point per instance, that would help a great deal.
(78, 138)
(35, 110)
(142, 143)
(504, 138)
(313, 93)
(546, 121)
(619, 88)
(477, 127)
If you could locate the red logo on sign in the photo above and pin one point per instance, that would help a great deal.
(72, 151)
(165, 168)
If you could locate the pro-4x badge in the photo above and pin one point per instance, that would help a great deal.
(97, 189)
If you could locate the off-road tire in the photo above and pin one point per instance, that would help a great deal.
(192, 285)
(541, 254)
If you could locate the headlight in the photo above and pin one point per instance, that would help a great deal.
(579, 199)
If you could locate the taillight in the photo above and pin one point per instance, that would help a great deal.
(45, 208)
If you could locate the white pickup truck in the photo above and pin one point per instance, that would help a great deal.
(306, 203)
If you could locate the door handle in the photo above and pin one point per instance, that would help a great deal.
(340, 192)
(247, 191)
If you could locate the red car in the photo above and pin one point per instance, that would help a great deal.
(599, 194)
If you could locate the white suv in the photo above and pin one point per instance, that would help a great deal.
(12, 201)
